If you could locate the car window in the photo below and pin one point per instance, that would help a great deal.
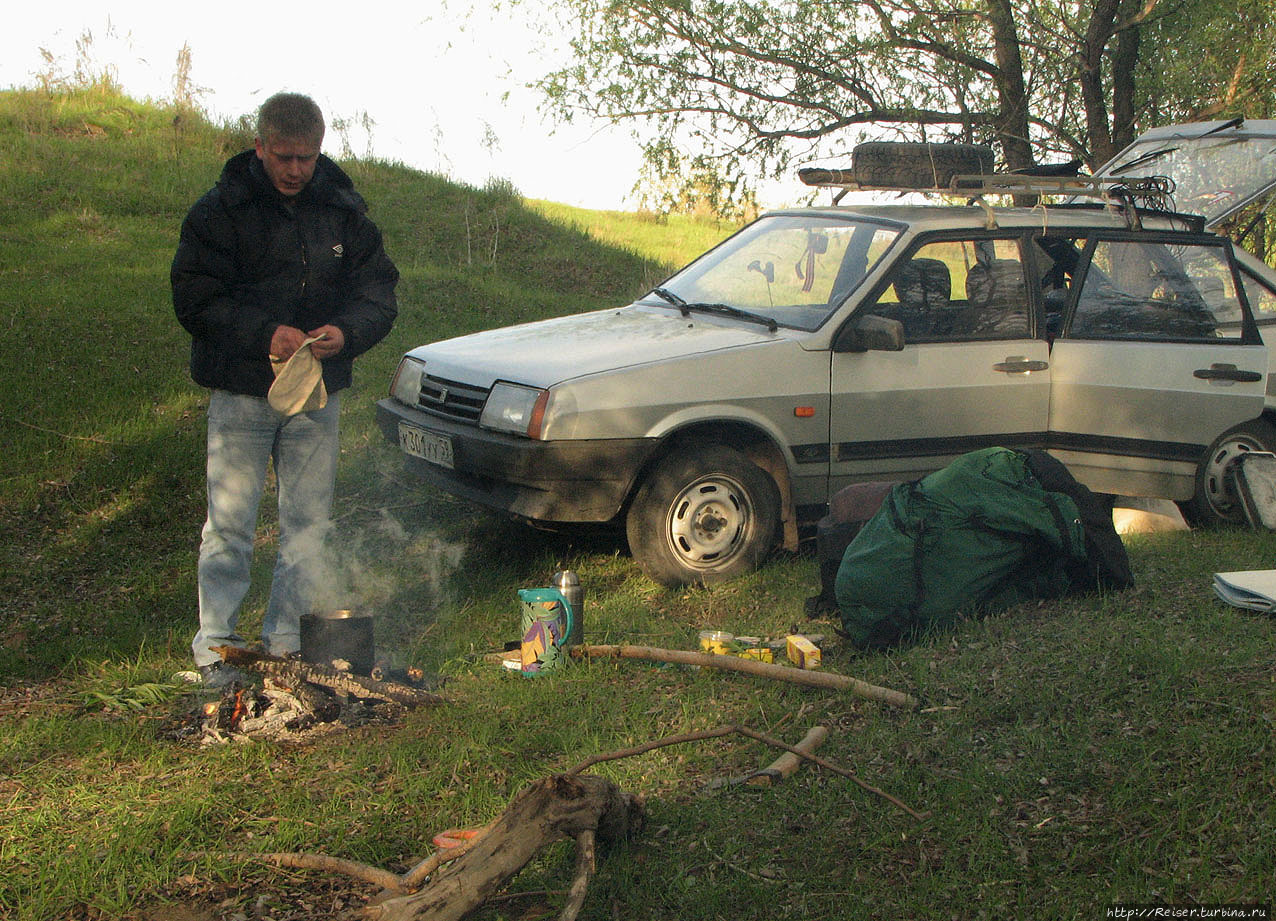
(1157, 291)
(795, 269)
(1216, 169)
(959, 289)
(1262, 302)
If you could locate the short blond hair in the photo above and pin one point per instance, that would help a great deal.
(292, 116)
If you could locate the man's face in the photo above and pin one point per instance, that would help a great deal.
(289, 162)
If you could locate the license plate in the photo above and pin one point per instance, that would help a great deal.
(437, 449)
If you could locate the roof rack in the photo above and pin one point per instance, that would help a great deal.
(1146, 188)
(1149, 193)
(1105, 187)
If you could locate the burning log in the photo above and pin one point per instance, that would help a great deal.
(412, 675)
(293, 672)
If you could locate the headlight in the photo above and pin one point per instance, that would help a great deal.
(516, 409)
(406, 386)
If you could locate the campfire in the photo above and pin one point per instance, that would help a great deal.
(299, 697)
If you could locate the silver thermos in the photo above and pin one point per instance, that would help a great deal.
(568, 585)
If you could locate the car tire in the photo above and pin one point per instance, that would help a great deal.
(703, 515)
(1214, 503)
(909, 165)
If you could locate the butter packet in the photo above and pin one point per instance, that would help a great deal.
(802, 652)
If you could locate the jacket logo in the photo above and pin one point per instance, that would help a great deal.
(338, 251)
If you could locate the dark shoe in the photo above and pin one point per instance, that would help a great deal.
(219, 675)
(820, 607)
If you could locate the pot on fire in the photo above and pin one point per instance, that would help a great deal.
(338, 639)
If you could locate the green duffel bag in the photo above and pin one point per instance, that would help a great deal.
(977, 536)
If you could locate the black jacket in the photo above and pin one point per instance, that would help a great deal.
(249, 260)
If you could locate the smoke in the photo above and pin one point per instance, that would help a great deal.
(381, 567)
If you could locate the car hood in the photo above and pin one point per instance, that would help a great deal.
(1217, 167)
(548, 352)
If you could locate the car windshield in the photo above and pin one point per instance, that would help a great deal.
(792, 269)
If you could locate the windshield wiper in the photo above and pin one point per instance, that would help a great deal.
(1147, 157)
(666, 295)
(739, 314)
(1157, 154)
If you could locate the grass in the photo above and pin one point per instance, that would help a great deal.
(1070, 755)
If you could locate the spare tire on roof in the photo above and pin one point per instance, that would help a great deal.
(906, 165)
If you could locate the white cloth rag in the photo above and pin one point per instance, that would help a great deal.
(298, 386)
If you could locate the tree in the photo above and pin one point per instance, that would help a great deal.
(754, 85)
(1221, 63)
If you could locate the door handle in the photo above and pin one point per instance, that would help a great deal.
(1017, 364)
(1227, 372)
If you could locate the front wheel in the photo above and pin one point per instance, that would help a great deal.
(703, 515)
(1214, 502)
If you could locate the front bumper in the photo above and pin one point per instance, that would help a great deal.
(547, 481)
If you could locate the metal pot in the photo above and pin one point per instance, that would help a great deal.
(338, 639)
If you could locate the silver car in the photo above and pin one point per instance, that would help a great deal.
(823, 346)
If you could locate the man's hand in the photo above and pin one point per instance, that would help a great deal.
(285, 341)
(331, 341)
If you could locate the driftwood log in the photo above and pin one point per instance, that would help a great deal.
(580, 807)
(295, 672)
(817, 679)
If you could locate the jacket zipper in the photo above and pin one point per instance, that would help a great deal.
(305, 260)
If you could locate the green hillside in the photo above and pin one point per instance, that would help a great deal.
(101, 485)
(1068, 756)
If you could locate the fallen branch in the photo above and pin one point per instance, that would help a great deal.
(787, 763)
(817, 679)
(580, 882)
(757, 736)
(456, 881)
(349, 868)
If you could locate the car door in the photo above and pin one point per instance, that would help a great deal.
(1159, 355)
(972, 373)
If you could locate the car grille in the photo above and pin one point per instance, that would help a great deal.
(451, 399)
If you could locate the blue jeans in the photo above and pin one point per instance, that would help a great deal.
(244, 434)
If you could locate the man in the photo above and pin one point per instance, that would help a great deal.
(279, 252)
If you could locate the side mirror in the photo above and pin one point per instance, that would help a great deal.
(871, 333)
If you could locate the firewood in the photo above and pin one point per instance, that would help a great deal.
(753, 667)
(312, 702)
(294, 670)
